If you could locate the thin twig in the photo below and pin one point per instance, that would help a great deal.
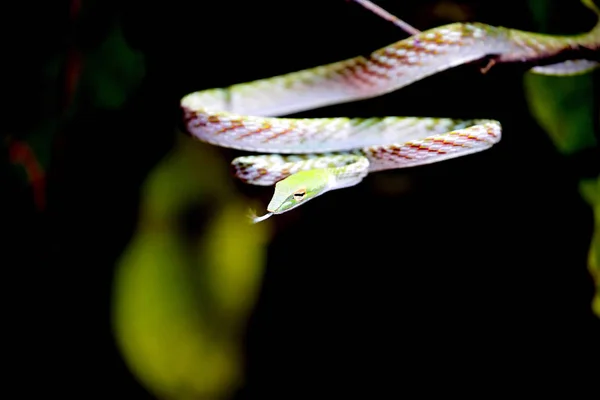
(390, 17)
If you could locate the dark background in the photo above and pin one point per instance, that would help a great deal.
(444, 278)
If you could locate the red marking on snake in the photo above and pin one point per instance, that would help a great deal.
(352, 73)
(394, 151)
(235, 124)
(491, 132)
(380, 63)
(284, 132)
(473, 137)
(420, 147)
(189, 116)
(369, 71)
(444, 141)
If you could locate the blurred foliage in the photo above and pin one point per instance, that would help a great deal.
(104, 82)
(590, 190)
(189, 277)
(181, 300)
(562, 106)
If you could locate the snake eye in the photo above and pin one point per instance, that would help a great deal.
(299, 194)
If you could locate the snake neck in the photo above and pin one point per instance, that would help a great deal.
(351, 174)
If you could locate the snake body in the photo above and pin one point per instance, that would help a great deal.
(308, 157)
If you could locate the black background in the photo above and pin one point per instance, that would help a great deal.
(473, 277)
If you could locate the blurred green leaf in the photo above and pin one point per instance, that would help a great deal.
(181, 302)
(563, 107)
(111, 71)
(590, 191)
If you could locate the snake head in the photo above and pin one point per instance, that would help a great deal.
(297, 189)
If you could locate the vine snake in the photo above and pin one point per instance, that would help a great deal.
(309, 157)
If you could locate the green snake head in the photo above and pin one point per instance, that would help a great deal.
(297, 189)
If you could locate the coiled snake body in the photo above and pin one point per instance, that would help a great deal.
(308, 157)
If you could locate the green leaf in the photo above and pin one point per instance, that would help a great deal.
(563, 106)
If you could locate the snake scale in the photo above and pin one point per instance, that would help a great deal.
(308, 157)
